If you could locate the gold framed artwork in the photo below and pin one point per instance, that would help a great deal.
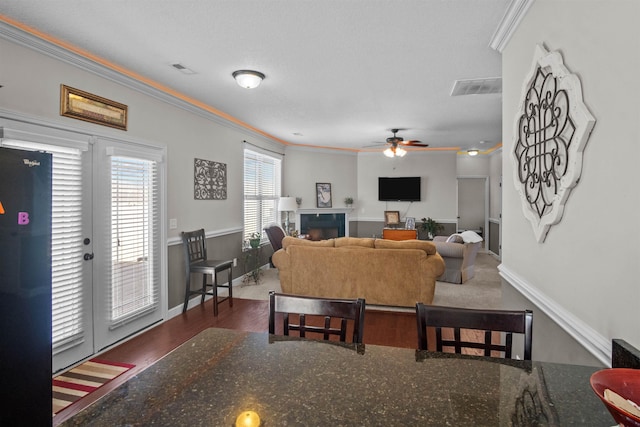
(81, 105)
(391, 218)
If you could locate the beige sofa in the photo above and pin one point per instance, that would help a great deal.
(383, 272)
(459, 259)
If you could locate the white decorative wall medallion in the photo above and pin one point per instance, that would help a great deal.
(551, 130)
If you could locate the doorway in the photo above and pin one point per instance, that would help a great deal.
(106, 238)
(473, 195)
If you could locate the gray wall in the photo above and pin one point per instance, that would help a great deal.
(582, 277)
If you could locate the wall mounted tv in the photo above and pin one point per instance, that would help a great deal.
(399, 189)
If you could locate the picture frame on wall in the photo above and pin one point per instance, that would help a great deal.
(323, 194)
(81, 105)
(391, 218)
(410, 223)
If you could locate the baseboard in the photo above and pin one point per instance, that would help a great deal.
(193, 302)
(596, 344)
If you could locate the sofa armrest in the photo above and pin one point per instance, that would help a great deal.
(450, 249)
(440, 238)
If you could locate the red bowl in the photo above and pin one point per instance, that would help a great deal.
(625, 382)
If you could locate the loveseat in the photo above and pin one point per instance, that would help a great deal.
(383, 272)
(459, 253)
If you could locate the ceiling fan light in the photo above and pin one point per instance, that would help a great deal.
(400, 152)
(248, 79)
(388, 152)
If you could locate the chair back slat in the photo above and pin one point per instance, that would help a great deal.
(195, 246)
(489, 321)
(329, 308)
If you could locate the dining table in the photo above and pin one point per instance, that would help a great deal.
(220, 375)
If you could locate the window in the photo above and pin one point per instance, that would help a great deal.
(261, 191)
(134, 212)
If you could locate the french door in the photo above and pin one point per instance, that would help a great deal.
(106, 210)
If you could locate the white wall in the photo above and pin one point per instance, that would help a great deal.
(303, 168)
(438, 172)
(586, 273)
(31, 86)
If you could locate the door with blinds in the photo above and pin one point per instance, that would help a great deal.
(127, 219)
(105, 239)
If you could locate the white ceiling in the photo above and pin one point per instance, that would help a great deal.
(339, 72)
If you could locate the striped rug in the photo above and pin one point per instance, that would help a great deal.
(83, 379)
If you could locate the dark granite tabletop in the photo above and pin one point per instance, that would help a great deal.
(214, 377)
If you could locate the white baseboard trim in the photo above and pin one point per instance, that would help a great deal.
(193, 302)
(596, 344)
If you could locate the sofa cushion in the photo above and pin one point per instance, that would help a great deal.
(294, 241)
(365, 242)
(455, 238)
(424, 245)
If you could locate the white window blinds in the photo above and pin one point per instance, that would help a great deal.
(134, 244)
(262, 175)
(66, 242)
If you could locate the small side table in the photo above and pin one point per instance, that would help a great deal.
(399, 234)
(252, 264)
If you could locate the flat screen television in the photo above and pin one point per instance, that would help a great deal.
(399, 189)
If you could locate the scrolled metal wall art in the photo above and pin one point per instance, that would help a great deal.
(552, 129)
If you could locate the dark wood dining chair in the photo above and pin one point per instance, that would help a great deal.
(505, 321)
(330, 308)
(195, 257)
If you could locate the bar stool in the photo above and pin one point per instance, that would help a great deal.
(195, 256)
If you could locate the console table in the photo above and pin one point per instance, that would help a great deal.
(399, 234)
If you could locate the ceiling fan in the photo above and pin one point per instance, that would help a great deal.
(395, 141)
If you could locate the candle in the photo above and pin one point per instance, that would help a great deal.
(248, 419)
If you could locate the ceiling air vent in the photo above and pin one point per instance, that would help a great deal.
(477, 86)
(182, 69)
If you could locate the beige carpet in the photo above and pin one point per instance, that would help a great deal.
(483, 291)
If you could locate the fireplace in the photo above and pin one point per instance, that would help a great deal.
(321, 224)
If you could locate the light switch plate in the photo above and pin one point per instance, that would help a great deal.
(173, 224)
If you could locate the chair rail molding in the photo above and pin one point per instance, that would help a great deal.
(551, 130)
(596, 344)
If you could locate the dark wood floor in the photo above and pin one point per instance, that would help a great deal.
(381, 328)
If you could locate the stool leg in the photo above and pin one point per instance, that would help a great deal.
(229, 276)
(187, 293)
(204, 288)
(215, 293)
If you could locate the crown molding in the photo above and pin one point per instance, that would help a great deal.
(26, 39)
(509, 23)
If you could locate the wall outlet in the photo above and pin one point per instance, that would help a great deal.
(173, 224)
(235, 262)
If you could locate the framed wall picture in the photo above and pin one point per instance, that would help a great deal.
(391, 218)
(410, 223)
(86, 106)
(323, 195)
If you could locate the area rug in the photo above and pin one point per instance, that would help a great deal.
(83, 379)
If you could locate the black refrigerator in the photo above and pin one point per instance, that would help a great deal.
(25, 287)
